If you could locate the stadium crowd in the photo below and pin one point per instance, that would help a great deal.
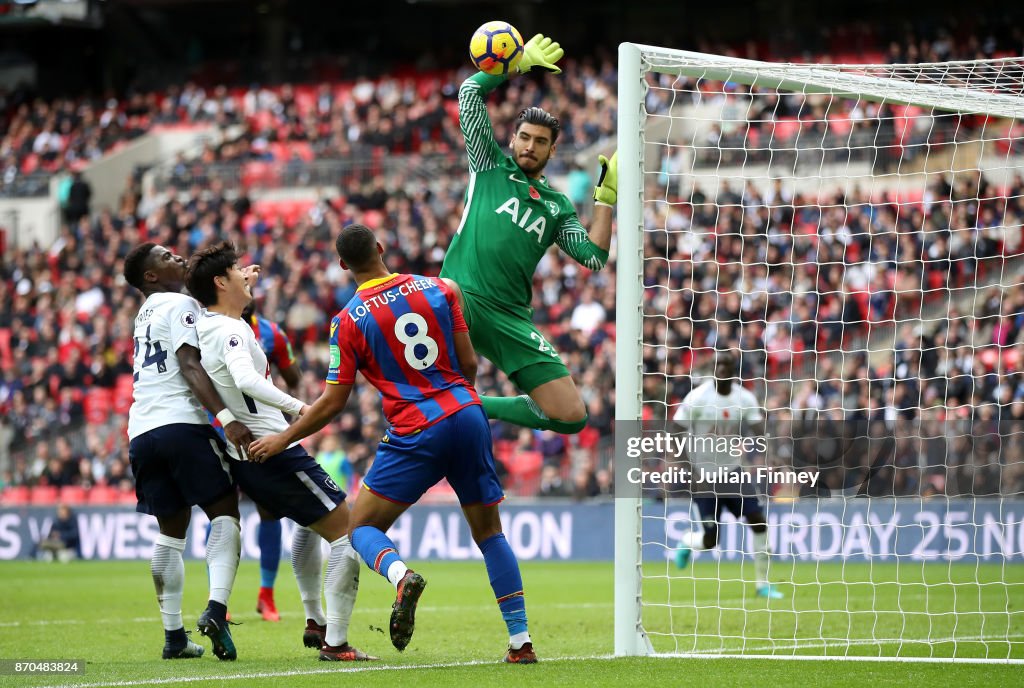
(39, 137)
(810, 277)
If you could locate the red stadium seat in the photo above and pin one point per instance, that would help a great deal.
(785, 128)
(73, 494)
(6, 358)
(98, 404)
(525, 466)
(259, 173)
(44, 495)
(840, 124)
(103, 494)
(16, 495)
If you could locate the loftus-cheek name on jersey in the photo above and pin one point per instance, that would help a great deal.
(388, 297)
(539, 223)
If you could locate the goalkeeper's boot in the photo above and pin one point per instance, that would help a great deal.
(265, 606)
(524, 655)
(683, 557)
(403, 611)
(315, 635)
(770, 592)
(190, 650)
(219, 633)
(344, 653)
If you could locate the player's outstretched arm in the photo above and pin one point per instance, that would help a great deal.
(316, 417)
(202, 387)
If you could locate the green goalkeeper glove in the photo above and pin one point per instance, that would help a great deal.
(606, 191)
(540, 51)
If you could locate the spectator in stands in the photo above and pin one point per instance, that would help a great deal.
(62, 542)
(552, 484)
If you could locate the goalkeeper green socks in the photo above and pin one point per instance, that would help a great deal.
(523, 410)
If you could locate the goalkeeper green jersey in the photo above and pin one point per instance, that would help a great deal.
(509, 220)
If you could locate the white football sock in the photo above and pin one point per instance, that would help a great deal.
(761, 558)
(518, 640)
(222, 552)
(341, 587)
(168, 570)
(396, 572)
(308, 565)
(694, 540)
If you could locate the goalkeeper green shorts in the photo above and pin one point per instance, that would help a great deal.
(512, 342)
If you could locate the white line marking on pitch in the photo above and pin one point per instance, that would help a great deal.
(309, 672)
(456, 665)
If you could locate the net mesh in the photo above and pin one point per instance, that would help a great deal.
(854, 232)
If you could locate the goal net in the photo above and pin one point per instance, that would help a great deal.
(853, 233)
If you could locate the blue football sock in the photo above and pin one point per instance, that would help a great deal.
(503, 570)
(376, 548)
(269, 536)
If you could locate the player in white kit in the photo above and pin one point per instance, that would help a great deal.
(715, 410)
(289, 484)
(178, 460)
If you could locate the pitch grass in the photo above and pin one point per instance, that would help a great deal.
(105, 613)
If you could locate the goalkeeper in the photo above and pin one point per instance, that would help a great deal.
(511, 218)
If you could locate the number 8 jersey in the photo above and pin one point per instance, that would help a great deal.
(166, 321)
(399, 332)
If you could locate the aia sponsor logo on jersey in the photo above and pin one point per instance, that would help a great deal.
(523, 217)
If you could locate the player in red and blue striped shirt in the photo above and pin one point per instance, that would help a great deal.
(407, 336)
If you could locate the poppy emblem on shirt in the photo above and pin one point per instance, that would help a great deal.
(534, 194)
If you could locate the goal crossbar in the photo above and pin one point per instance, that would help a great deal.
(839, 81)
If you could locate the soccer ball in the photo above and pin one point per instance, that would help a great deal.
(496, 48)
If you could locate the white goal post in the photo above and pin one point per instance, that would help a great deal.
(803, 183)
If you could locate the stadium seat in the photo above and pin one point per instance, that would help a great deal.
(73, 494)
(15, 495)
(525, 466)
(785, 129)
(103, 494)
(44, 495)
(6, 359)
(840, 124)
(98, 404)
(259, 173)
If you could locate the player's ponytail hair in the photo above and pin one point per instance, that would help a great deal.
(204, 266)
(135, 264)
(541, 117)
